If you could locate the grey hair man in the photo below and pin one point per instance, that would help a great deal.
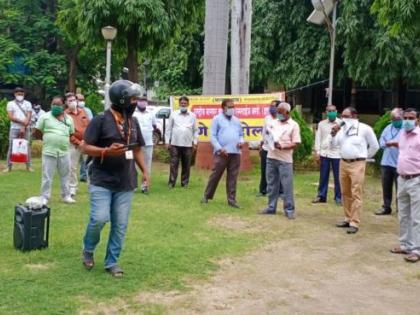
(284, 136)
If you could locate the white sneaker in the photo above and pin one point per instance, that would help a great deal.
(68, 199)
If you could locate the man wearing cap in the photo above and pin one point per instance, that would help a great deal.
(329, 157)
(387, 141)
(81, 104)
(408, 168)
(357, 143)
(19, 112)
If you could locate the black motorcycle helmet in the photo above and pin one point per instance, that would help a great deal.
(121, 92)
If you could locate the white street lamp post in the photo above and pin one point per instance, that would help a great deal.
(109, 33)
(322, 10)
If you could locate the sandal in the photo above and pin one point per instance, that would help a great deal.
(412, 258)
(399, 250)
(115, 271)
(87, 260)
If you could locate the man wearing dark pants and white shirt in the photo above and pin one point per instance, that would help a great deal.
(408, 169)
(357, 143)
(329, 157)
(284, 137)
(182, 137)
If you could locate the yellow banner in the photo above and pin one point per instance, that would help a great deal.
(250, 109)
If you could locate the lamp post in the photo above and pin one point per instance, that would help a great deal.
(321, 14)
(109, 33)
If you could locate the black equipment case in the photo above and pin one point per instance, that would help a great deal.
(31, 228)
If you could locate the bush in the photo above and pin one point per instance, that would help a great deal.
(4, 129)
(379, 126)
(161, 154)
(304, 150)
(94, 102)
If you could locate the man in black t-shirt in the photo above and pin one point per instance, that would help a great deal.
(113, 139)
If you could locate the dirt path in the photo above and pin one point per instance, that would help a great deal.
(317, 269)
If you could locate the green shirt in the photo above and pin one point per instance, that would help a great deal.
(56, 134)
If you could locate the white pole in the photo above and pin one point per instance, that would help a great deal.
(334, 32)
(108, 74)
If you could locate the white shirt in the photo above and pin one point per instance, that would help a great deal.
(267, 120)
(323, 145)
(146, 121)
(182, 130)
(356, 141)
(17, 112)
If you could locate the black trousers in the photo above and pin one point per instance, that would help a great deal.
(263, 179)
(184, 154)
(389, 179)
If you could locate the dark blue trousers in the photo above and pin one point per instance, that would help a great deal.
(324, 176)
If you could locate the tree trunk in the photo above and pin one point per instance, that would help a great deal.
(72, 72)
(215, 46)
(71, 55)
(240, 45)
(399, 91)
(132, 62)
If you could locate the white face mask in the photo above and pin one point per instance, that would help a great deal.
(349, 121)
(229, 112)
(81, 104)
(72, 105)
(19, 98)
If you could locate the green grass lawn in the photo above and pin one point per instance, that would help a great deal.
(170, 239)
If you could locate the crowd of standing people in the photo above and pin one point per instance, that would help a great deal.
(118, 142)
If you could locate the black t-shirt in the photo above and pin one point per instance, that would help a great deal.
(114, 173)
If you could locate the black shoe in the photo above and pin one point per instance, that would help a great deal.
(318, 200)
(261, 194)
(170, 186)
(383, 211)
(265, 211)
(83, 179)
(343, 224)
(352, 230)
(204, 200)
(234, 205)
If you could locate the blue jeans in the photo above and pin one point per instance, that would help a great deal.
(324, 177)
(280, 173)
(106, 205)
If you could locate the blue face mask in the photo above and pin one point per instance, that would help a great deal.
(183, 110)
(409, 125)
(280, 116)
(272, 110)
(229, 112)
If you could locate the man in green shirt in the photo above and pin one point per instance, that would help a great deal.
(55, 128)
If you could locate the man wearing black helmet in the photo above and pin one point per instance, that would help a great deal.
(113, 139)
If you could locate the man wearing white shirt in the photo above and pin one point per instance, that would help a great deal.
(147, 122)
(182, 138)
(328, 155)
(357, 143)
(19, 112)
